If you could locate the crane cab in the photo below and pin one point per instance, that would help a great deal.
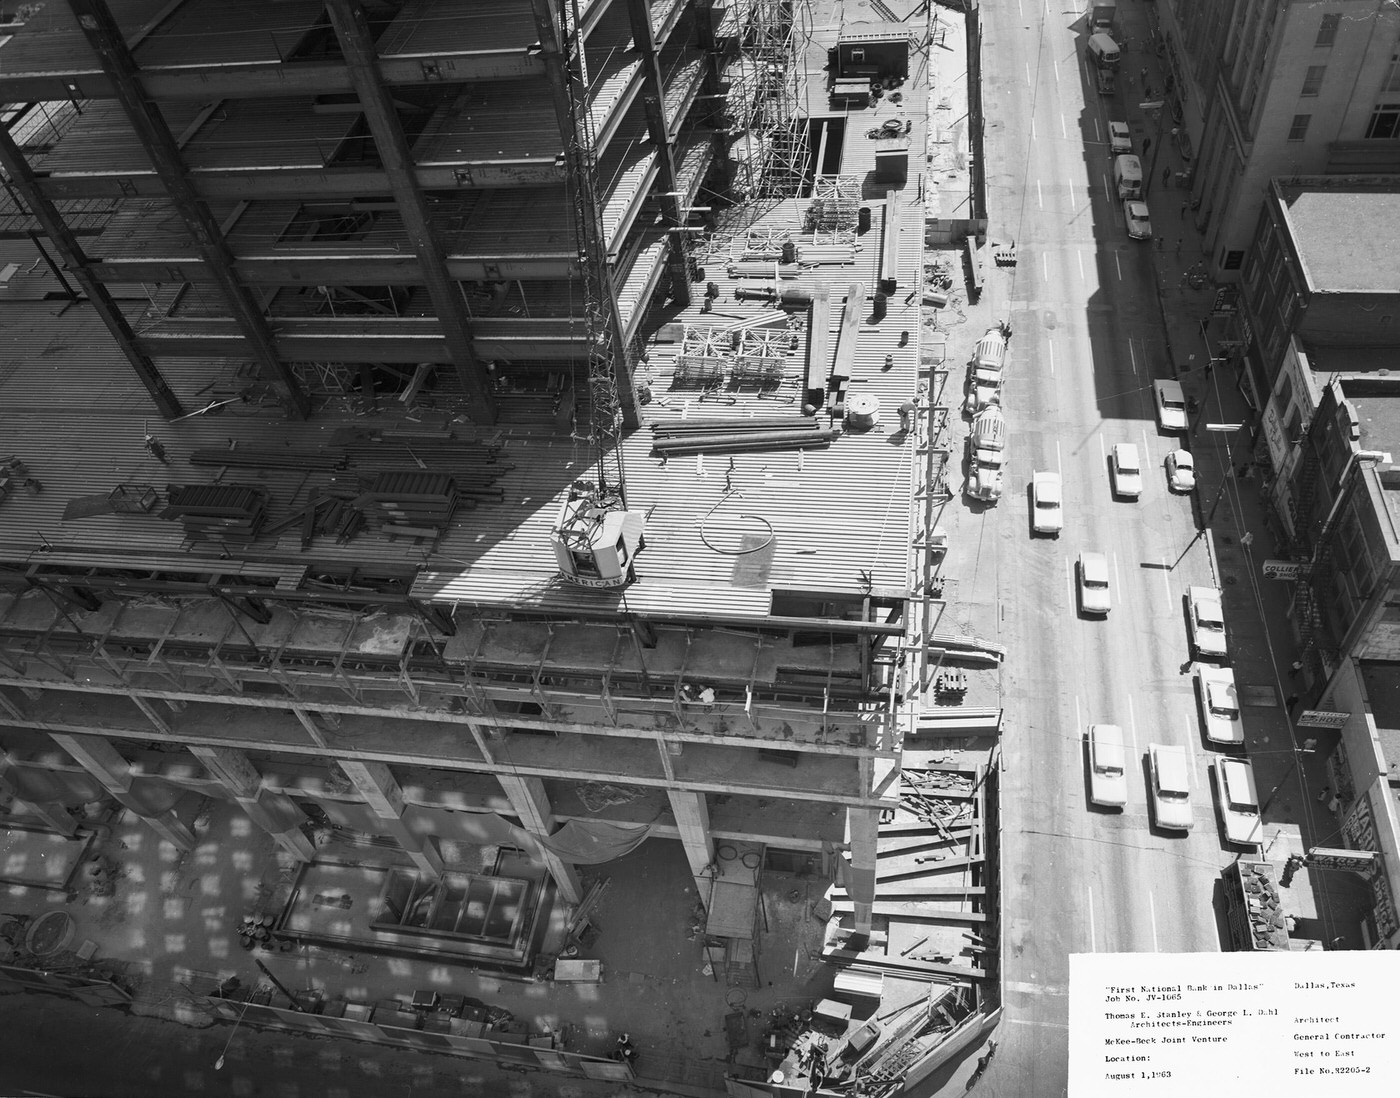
(594, 545)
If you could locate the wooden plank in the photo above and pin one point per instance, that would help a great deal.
(912, 911)
(819, 337)
(889, 252)
(898, 966)
(850, 331)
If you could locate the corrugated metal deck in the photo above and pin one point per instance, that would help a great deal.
(205, 32)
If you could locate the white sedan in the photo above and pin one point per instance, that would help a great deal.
(1238, 798)
(1206, 621)
(1047, 503)
(1120, 138)
(1220, 705)
(1181, 471)
(1108, 777)
(1125, 470)
(1135, 214)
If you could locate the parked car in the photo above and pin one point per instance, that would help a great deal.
(1205, 621)
(1237, 798)
(1138, 220)
(1171, 404)
(1125, 470)
(1181, 471)
(1108, 777)
(1171, 786)
(1094, 595)
(1120, 138)
(1047, 503)
(1220, 705)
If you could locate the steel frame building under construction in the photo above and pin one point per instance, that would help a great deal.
(327, 321)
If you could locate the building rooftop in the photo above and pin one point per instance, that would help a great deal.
(1348, 238)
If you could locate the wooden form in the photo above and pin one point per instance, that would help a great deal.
(819, 337)
(889, 252)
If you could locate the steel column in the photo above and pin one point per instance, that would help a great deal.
(44, 211)
(103, 35)
(352, 31)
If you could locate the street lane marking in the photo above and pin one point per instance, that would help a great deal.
(1029, 82)
(1166, 586)
(1107, 194)
(1032, 127)
(1039, 195)
(1059, 461)
(1079, 257)
(1132, 726)
(1118, 265)
(1045, 261)
(1064, 130)
(1050, 350)
(1152, 910)
(1132, 354)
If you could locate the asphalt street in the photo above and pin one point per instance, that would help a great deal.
(1088, 341)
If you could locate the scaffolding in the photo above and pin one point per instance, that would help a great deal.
(835, 206)
(766, 86)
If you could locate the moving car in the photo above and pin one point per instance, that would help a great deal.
(1181, 471)
(1171, 404)
(1047, 504)
(1093, 583)
(1108, 777)
(1238, 800)
(1125, 470)
(1139, 222)
(1120, 139)
(1220, 705)
(1205, 621)
(1171, 786)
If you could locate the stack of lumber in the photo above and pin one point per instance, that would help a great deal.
(232, 514)
(415, 505)
(733, 435)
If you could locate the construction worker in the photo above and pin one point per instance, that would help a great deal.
(156, 449)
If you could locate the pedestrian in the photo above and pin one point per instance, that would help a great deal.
(1166, 175)
(1294, 668)
(1334, 804)
(1146, 144)
(1310, 746)
(1326, 792)
(1178, 245)
(906, 416)
(1144, 74)
(1184, 207)
(1291, 702)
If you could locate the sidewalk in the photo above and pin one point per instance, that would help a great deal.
(1241, 536)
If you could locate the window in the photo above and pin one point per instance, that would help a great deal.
(1392, 75)
(1299, 129)
(1327, 30)
(1312, 82)
(1232, 261)
(1385, 122)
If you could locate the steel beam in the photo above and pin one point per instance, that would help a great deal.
(273, 77)
(103, 35)
(325, 183)
(22, 180)
(357, 45)
(351, 269)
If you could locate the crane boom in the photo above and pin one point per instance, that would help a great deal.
(595, 537)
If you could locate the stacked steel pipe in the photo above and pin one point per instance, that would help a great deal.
(735, 435)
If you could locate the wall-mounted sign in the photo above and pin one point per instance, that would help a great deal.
(1322, 857)
(1283, 569)
(1322, 718)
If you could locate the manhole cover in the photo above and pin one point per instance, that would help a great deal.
(49, 933)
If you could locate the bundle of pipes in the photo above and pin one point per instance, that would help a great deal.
(757, 269)
(796, 299)
(732, 435)
(827, 253)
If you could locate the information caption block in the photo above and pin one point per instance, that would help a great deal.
(1190, 1024)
